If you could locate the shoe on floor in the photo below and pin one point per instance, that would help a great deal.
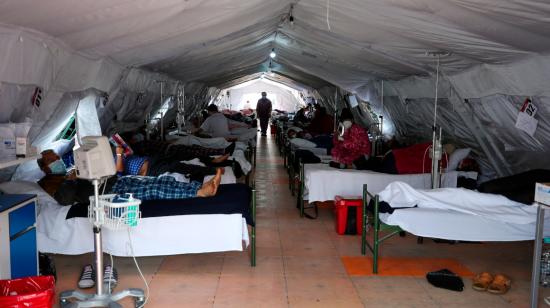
(110, 275)
(87, 277)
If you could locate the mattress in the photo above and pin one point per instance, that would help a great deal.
(323, 183)
(230, 199)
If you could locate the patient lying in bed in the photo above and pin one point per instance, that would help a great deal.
(66, 189)
(166, 187)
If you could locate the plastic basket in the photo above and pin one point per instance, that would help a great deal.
(114, 215)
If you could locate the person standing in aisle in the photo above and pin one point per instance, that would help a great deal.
(263, 111)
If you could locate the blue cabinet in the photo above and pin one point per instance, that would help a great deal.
(18, 252)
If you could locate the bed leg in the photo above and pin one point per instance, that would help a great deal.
(253, 231)
(376, 239)
(364, 222)
(254, 154)
(301, 192)
(290, 175)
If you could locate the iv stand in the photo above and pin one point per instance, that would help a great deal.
(437, 149)
(101, 298)
(161, 115)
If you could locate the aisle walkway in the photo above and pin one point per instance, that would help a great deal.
(299, 264)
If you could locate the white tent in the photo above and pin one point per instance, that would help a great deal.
(122, 50)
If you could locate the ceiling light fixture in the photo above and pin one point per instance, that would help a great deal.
(272, 54)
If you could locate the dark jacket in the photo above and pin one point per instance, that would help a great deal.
(263, 108)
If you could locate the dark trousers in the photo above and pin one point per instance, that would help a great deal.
(264, 122)
(79, 191)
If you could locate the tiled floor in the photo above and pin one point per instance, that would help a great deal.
(299, 264)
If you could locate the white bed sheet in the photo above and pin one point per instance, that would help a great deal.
(323, 183)
(153, 236)
(454, 225)
(459, 214)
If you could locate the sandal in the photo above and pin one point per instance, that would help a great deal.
(500, 285)
(482, 281)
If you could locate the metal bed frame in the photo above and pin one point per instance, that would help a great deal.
(378, 227)
(253, 229)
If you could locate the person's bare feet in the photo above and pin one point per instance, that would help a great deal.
(220, 158)
(210, 188)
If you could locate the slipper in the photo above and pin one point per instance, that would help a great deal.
(482, 281)
(500, 285)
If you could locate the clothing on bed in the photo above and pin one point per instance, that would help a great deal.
(156, 188)
(192, 172)
(519, 187)
(321, 124)
(154, 147)
(304, 157)
(414, 159)
(193, 151)
(323, 141)
(68, 192)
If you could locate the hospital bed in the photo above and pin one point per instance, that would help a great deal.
(451, 214)
(320, 182)
(167, 227)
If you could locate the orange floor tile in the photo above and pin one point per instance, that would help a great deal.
(412, 267)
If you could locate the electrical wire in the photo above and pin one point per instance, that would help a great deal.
(138, 269)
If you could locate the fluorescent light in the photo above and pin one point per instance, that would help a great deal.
(272, 54)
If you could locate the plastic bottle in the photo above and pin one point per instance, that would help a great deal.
(132, 212)
(129, 213)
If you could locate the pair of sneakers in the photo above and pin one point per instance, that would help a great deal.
(87, 277)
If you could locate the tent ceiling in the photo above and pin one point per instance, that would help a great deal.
(344, 42)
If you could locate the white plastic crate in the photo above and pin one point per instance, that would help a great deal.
(114, 215)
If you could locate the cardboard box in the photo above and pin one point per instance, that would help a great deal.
(542, 193)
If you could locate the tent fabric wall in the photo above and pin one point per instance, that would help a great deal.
(499, 55)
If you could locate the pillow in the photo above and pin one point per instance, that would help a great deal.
(303, 143)
(28, 171)
(456, 157)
